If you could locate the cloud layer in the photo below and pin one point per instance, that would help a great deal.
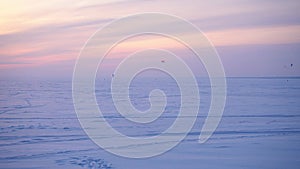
(38, 33)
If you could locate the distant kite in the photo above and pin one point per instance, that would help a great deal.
(162, 61)
(291, 65)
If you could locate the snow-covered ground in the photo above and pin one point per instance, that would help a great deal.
(260, 127)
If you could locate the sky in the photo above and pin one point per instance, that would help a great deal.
(253, 38)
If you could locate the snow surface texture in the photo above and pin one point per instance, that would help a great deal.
(260, 127)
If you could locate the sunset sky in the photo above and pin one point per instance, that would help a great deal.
(253, 38)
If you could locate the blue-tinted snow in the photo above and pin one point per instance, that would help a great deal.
(260, 127)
